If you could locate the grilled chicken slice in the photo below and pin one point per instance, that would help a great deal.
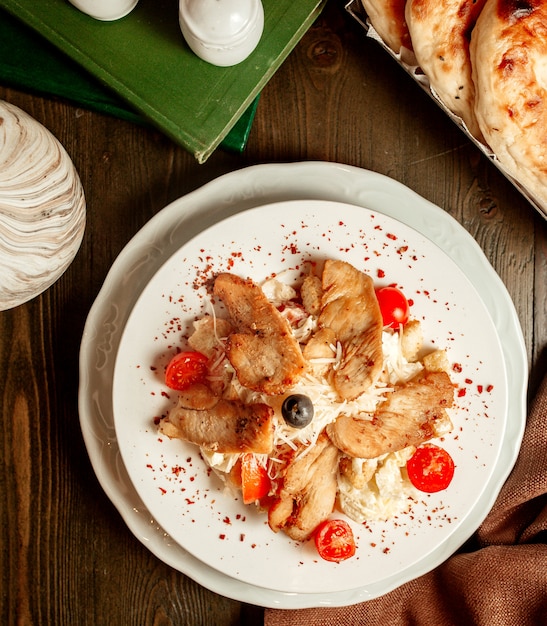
(207, 338)
(350, 309)
(311, 292)
(262, 350)
(320, 351)
(198, 396)
(307, 493)
(207, 335)
(412, 414)
(229, 426)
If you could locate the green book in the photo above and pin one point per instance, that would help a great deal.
(30, 62)
(144, 60)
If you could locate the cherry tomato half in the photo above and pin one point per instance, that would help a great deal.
(255, 482)
(393, 306)
(334, 540)
(185, 369)
(430, 468)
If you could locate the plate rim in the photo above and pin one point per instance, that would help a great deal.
(254, 187)
(317, 217)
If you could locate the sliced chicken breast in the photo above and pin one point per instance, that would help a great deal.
(307, 493)
(350, 310)
(229, 426)
(409, 416)
(262, 350)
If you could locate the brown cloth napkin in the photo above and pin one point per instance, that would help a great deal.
(499, 578)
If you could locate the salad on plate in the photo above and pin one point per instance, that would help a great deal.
(314, 400)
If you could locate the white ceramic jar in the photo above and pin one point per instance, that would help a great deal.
(222, 32)
(105, 10)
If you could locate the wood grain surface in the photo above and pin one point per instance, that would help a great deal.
(67, 555)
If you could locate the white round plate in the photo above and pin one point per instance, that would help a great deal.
(170, 476)
(216, 540)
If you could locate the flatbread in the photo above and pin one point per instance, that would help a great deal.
(440, 31)
(509, 58)
(388, 20)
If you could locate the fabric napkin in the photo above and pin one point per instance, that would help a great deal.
(499, 578)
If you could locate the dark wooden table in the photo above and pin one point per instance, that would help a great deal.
(67, 556)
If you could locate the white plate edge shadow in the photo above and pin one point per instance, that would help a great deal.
(229, 194)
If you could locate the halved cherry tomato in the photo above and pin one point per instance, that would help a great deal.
(430, 468)
(185, 369)
(393, 306)
(334, 540)
(255, 482)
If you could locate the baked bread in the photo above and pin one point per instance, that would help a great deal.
(440, 32)
(388, 20)
(509, 58)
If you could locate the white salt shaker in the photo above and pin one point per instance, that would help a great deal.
(105, 10)
(222, 32)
